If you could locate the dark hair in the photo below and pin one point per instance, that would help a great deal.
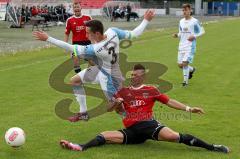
(187, 5)
(138, 67)
(95, 26)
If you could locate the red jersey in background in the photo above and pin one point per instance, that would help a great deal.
(77, 27)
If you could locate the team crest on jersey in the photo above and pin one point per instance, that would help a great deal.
(145, 95)
(185, 29)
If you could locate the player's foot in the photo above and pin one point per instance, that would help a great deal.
(191, 73)
(221, 148)
(70, 146)
(79, 116)
(184, 84)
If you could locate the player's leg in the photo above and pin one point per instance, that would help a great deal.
(76, 64)
(185, 72)
(191, 69)
(88, 75)
(80, 95)
(107, 137)
(187, 69)
(167, 134)
(181, 55)
(186, 57)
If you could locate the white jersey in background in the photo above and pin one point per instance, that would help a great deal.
(186, 29)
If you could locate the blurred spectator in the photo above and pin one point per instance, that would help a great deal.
(34, 11)
(129, 11)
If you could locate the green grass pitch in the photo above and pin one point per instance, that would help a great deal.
(27, 100)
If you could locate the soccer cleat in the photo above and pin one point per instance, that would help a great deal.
(221, 148)
(191, 73)
(79, 116)
(70, 146)
(184, 84)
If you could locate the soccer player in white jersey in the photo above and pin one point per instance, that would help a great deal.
(104, 50)
(189, 30)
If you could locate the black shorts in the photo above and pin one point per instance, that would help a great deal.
(81, 42)
(142, 131)
(84, 43)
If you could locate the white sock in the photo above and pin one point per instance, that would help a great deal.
(190, 68)
(185, 74)
(80, 94)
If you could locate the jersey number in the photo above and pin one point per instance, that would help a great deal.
(111, 51)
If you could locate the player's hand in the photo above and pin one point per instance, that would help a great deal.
(149, 14)
(175, 35)
(197, 110)
(40, 35)
(116, 104)
(191, 38)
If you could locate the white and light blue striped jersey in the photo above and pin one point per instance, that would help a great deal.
(186, 29)
(107, 51)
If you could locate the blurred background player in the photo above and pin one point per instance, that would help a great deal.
(189, 30)
(76, 25)
(137, 109)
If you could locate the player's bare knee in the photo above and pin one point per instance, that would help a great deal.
(168, 134)
(106, 135)
(75, 81)
(172, 137)
(109, 136)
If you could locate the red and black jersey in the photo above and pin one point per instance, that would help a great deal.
(138, 103)
(77, 27)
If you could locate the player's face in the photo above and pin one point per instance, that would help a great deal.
(137, 77)
(77, 9)
(93, 37)
(89, 34)
(186, 12)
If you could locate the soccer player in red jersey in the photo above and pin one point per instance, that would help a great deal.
(135, 103)
(75, 24)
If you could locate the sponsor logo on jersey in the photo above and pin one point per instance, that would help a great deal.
(78, 28)
(136, 103)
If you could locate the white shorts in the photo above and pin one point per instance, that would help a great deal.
(184, 56)
(108, 83)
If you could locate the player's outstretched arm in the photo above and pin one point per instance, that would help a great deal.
(125, 34)
(148, 16)
(43, 36)
(180, 106)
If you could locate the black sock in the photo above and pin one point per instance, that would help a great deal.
(193, 141)
(77, 69)
(97, 141)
